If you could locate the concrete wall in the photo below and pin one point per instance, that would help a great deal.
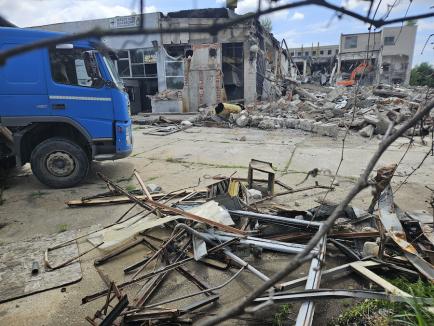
(237, 33)
(151, 20)
(203, 78)
(374, 40)
(325, 48)
(249, 76)
(401, 53)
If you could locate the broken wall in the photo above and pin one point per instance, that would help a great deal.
(203, 78)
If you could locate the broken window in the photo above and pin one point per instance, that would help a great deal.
(321, 52)
(306, 53)
(329, 52)
(299, 54)
(350, 42)
(69, 67)
(389, 40)
(337, 51)
(386, 67)
(233, 70)
(123, 64)
(143, 63)
(174, 72)
(313, 52)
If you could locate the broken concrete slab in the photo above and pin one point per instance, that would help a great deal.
(367, 131)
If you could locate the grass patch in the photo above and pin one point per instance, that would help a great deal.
(127, 179)
(130, 188)
(62, 228)
(151, 179)
(174, 160)
(281, 316)
(37, 194)
(380, 312)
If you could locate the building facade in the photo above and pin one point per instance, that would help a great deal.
(314, 63)
(389, 54)
(183, 71)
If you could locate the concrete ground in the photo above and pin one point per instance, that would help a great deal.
(180, 160)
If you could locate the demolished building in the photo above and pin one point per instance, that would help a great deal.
(385, 56)
(389, 52)
(183, 71)
(315, 63)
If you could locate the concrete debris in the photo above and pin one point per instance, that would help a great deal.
(253, 195)
(153, 188)
(367, 131)
(242, 121)
(326, 111)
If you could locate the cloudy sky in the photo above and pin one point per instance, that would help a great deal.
(300, 26)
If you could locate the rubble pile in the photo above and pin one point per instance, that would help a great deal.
(324, 111)
(230, 225)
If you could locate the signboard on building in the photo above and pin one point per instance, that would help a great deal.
(125, 22)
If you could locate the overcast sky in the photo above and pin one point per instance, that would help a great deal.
(301, 26)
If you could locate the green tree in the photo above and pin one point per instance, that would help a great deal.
(411, 22)
(267, 24)
(422, 75)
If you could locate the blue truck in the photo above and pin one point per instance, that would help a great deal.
(61, 107)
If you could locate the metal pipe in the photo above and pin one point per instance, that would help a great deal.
(307, 309)
(288, 248)
(274, 218)
(197, 293)
(227, 252)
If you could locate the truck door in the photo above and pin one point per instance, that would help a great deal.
(23, 91)
(75, 91)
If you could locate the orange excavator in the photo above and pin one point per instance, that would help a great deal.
(362, 68)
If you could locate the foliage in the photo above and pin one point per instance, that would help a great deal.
(281, 316)
(130, 188)
(411, 22)
(62, 228)
(267, 24)
(422, 75)
(380, 312)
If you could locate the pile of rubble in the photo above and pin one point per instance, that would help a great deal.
(325, 111)
(234, 218)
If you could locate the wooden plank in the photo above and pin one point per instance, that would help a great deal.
(7, 134)
(142, 185)
(389, 287)
(146, 203)
(115, 200)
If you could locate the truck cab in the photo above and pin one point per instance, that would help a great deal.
(61, 107)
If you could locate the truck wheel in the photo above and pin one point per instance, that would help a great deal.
(59, 163)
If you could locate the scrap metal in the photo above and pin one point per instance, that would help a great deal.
(396, 232)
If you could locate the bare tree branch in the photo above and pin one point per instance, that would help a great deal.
(361, 184)
(213, 29)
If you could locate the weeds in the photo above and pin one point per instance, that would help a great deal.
(128, 179)
(281, 316)
(379, 312)
(62, 228)
(130, 188)
(37, 194)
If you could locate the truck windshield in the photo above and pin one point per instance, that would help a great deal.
(113, 71)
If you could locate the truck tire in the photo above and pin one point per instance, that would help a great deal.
(59, 163)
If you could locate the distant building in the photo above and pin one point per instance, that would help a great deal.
(314, 61)
(389, 52)
(242, 63)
